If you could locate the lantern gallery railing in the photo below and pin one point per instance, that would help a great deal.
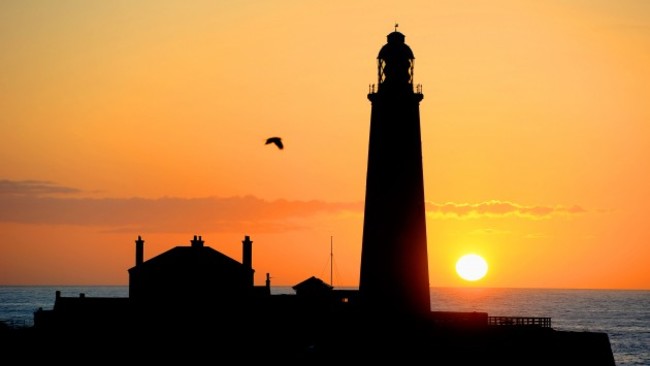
(372, 89)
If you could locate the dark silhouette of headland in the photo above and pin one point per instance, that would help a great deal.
(197, 305)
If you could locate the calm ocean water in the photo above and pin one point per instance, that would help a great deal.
(623, 314)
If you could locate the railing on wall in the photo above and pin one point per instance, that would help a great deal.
(544, 322)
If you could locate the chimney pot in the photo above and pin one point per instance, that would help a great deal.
(197, 242)
(139, 251)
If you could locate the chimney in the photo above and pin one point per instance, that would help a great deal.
(139, 251)
(247, 257)
(197, 242)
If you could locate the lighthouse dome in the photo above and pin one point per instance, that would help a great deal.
(396, 48)
(395, 62)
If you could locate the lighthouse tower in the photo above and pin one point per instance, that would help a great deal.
(394, 276)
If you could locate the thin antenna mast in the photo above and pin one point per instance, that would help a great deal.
(331, 260)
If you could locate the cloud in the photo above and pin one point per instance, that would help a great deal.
(24, 202)
(33, 187)
(46, 203)
(497, 208)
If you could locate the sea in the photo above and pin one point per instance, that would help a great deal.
(624, 315)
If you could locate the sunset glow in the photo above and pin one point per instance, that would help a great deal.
(126, 118)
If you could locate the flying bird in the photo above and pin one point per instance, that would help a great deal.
(275, 140)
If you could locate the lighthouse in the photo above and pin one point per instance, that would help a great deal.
(394, 274)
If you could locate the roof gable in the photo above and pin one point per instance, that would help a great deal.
(311, 284)
(190, 255)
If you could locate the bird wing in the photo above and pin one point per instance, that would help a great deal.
(275, 140)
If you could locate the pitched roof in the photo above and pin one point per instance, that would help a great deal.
(312, 283)
(188, 254)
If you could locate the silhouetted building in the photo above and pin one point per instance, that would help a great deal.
(313, 287)
(394, 262)
(191, 275)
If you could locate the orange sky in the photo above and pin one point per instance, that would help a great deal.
(127, 118)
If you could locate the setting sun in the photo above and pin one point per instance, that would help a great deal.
(471, 267)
